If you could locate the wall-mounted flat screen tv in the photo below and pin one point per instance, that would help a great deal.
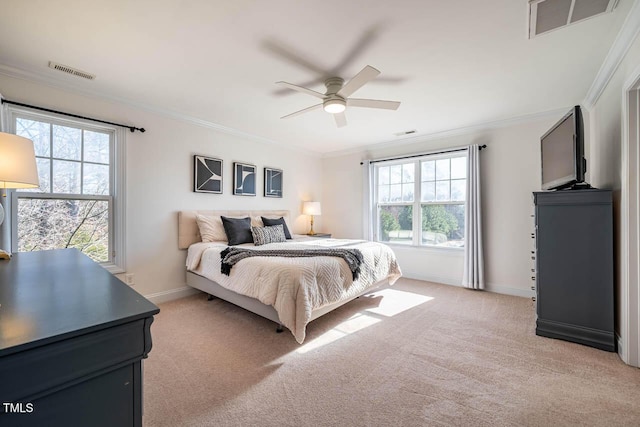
(562, 152)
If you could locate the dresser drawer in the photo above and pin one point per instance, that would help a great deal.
(104, 401)
(33, 373)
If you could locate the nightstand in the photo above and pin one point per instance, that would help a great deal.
(321, 235)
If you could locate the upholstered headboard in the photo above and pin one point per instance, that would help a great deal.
(188, 232)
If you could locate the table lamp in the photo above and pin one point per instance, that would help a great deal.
(311, 209)
(18, 168)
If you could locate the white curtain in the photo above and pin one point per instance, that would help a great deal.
(367, 200)
(473, 276)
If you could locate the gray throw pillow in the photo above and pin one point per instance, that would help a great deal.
(273, 221)
(269, 234)
(238, 230)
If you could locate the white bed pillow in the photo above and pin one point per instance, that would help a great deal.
(211, 228)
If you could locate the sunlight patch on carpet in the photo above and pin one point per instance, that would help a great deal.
(395, 302)
(355, 323)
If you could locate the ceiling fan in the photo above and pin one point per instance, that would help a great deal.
(336, 99)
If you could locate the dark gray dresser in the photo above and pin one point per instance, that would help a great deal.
(72, 337)
(574, 266)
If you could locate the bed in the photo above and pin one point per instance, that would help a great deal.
(289, 291)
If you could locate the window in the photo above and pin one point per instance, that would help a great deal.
(432, 186)
(74, 205)
(396, 188)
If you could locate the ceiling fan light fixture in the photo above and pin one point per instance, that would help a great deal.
(338, 95)
(334, 106)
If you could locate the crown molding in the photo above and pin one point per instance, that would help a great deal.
(625, 38)
(479, 127)
(61, 84)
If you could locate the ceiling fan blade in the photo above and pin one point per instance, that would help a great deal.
(365, 75)
(373, 103)
(362, 44)
(341, 119)
(290, 54)
(286, 91)
(302, 89)
(306, 110)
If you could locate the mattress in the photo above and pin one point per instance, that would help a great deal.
(297, 286)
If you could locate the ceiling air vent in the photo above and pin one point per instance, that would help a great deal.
(405, 132)
(71, 70)
(547, 15)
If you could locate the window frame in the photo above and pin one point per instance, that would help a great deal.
(116, 197)
(417, 199)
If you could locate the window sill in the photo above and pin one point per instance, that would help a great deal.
(441, 249)
(112, 268)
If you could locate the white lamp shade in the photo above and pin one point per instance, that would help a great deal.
(17, 162)
(311, 208)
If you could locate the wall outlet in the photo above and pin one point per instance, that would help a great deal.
(128, 279)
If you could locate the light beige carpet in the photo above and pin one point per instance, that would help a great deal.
(416, 354)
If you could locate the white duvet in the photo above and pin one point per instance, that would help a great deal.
(297, 286)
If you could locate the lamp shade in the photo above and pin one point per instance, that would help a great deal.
(17, 162)
(311, 208)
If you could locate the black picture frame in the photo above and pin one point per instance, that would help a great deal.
(207, 174)
(244, 179)
(273, 182)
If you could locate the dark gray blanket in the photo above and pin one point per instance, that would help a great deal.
(232, 255)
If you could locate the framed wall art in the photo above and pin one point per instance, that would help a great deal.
(272, 182)
(244, 179)
(207, 175)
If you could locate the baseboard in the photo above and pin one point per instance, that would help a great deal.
(489, 287)
(435, 279)
(619, 348)
(507, 290)
(165, 296)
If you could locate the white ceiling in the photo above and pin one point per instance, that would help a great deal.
(452, 63)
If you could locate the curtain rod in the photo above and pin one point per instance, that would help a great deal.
(131, 128)
(431, 153)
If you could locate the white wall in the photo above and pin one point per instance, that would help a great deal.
(159, 175)
(607, 171)
(510, 173)
(606, 126)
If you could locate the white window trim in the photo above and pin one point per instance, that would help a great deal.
(417, 219)
(118, 183)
